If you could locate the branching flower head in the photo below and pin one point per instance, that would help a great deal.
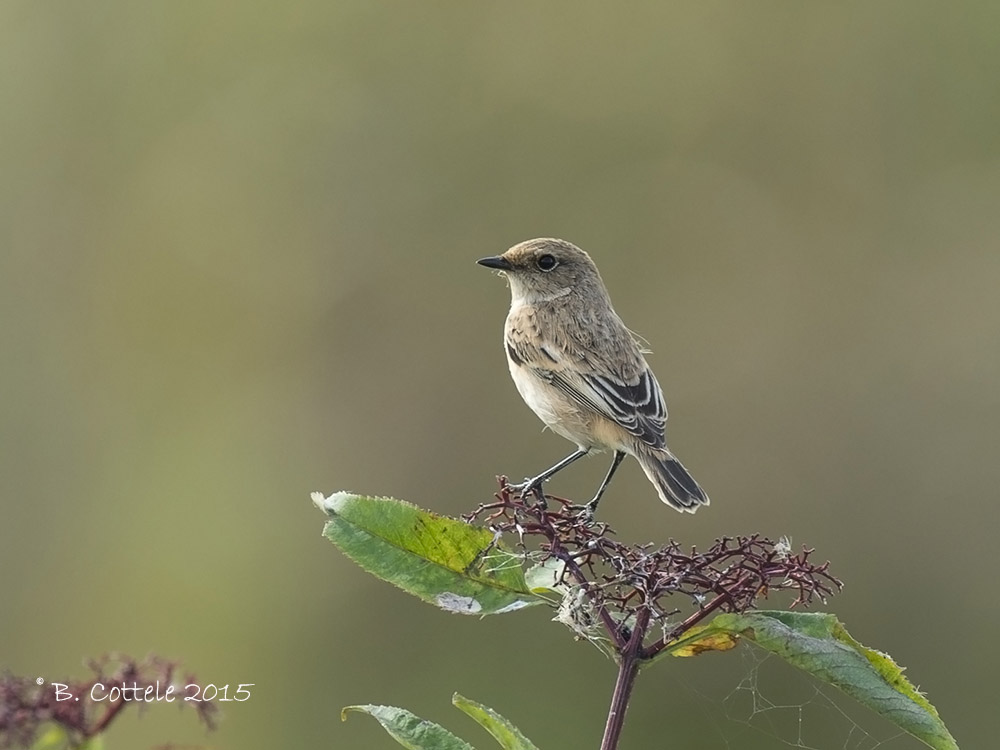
(669, 587)
(26, 705)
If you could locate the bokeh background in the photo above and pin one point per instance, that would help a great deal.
(237, 265)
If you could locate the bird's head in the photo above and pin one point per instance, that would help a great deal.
(546, 269)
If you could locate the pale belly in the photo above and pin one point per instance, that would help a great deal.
(588, 430)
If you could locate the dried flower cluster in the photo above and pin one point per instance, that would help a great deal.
(628, 587)
(26, 706)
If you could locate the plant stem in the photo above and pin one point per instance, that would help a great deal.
(690, 622)
(561, 553)
(628, 669)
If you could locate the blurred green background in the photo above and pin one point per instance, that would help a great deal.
(237, 265)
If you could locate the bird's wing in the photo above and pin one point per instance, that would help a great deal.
(636, 404)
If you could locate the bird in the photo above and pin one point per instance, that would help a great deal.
(582, 372)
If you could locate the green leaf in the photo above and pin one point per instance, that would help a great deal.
(819, 644)
(410, 730)
(698, 640)
(53, 738)
(452, 564)
(547, 577)
(56, 737)
(509, 737)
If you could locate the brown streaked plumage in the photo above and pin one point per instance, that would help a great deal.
(580, 369)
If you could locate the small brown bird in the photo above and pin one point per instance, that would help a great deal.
(581, 370)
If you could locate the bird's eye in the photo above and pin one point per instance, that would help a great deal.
(547, 262)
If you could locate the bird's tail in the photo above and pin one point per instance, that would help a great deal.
(675, 486)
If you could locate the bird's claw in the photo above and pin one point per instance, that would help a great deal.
(527, 487)
(584, 513)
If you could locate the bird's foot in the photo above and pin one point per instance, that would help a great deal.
(584, 513)
(528, 487)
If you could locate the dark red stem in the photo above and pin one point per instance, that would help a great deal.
(690, 622)
(628, 669)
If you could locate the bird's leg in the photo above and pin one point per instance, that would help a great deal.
(591, 507)
(532, 485)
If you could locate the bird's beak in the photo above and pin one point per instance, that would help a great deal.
(496, 261)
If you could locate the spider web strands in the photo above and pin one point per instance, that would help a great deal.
(776, 701)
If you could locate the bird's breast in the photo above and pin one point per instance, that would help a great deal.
(540, 397)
